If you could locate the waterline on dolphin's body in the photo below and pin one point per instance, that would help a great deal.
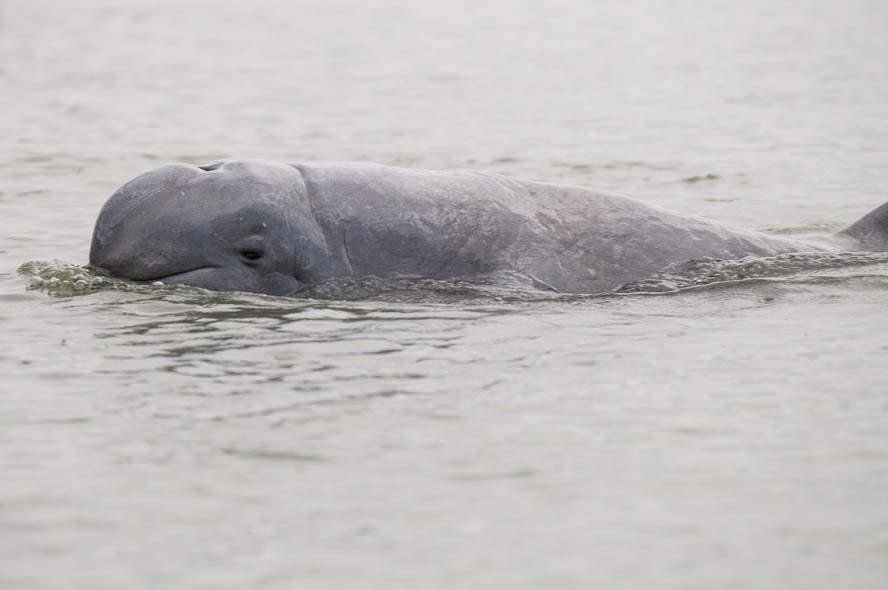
(60, 278)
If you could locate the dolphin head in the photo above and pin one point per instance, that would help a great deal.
(236, 225)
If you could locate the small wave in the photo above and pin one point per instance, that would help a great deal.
(418, 290)
(701, 272)
(62, 279)
(817, 228)
(57, 277)
(699, 178)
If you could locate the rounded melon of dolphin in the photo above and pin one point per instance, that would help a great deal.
(275, 228)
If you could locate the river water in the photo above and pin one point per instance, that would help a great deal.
(730, 434)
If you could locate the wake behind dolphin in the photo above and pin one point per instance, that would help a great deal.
(281, 229)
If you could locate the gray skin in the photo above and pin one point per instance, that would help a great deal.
(274, 228)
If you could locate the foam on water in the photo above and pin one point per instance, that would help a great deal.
(702, 272)
(59, 278)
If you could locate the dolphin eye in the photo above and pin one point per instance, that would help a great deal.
(252, 252)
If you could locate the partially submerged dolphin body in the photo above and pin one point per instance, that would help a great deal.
(274, 228)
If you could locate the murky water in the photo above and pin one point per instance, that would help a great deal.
(730, 431)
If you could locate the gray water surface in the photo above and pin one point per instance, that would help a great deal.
(730, 432)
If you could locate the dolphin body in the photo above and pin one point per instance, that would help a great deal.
(275, 228)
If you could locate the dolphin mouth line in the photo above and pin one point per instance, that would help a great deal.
(105, 273)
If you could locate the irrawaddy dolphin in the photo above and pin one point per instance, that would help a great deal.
(275, 228)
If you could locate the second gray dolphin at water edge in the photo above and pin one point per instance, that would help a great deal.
(275, 228)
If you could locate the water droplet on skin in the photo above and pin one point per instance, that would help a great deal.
(592, 272)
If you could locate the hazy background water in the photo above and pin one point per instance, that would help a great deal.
(734, 436)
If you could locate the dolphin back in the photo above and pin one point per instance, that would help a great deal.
(871, 230)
